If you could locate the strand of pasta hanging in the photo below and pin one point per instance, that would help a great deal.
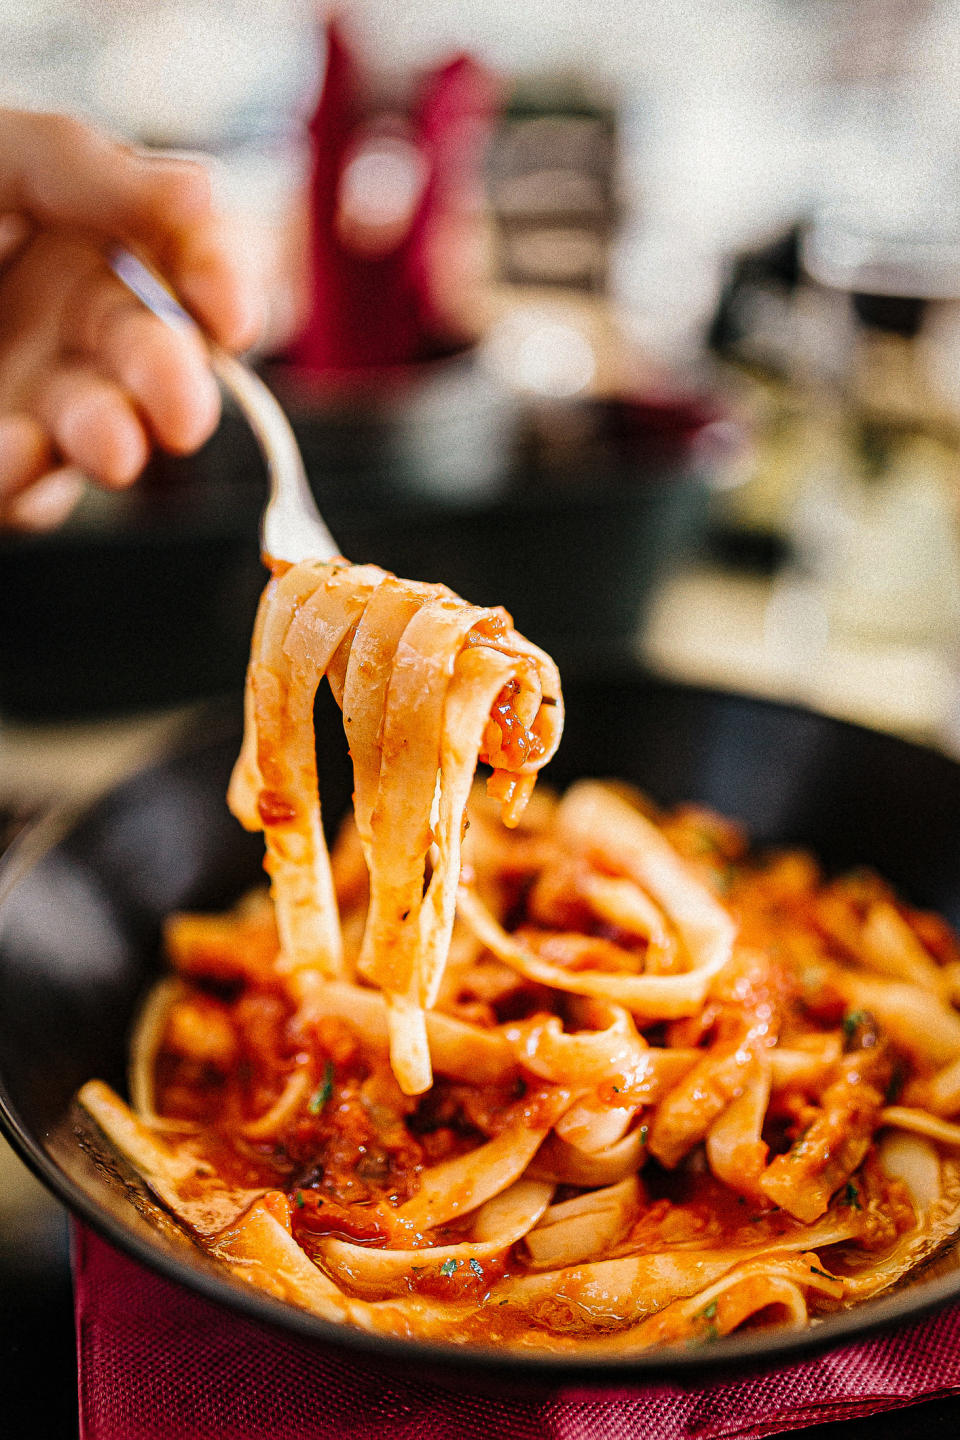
(429, 686)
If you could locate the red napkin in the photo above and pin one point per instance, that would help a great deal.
(159, 1363)
(370, 312)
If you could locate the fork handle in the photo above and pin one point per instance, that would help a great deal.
(292, 527)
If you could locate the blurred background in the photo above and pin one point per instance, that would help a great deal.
(644, 321)
(641, 318)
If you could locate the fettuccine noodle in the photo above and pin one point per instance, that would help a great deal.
(597, 1079)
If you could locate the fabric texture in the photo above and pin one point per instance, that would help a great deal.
(367, 313)
(157, 1362)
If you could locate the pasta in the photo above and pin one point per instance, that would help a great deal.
(598, 1079)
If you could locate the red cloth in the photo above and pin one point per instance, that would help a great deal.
(374, 313)
(159, 1363)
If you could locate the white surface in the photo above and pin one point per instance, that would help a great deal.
(712, 627)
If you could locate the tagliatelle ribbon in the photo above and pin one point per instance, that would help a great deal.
(424, 681)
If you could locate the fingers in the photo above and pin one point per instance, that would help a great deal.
(24, 454)
(96, 376)
(168, 378)
(32, 497)
(164, 372)
(46, 504)
(100, 374)
(14, 233)
(212, 271)
(62, 173)
(92, 424)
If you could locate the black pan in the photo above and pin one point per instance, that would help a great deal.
(80, 915)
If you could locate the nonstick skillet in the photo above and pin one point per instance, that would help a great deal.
(81, 904)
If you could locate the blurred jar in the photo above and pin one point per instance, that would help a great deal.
(896, 577)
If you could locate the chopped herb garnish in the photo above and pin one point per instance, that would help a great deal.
(477, 1269)
(323, 1092)
(644, 1132)
(851, 1196)
(709, 1311)
(448, 1267)
(299, 1201)
(723, 879)
(615, 1089)
(851, 1020)
(814, 1270)
(796, 1148)
(416, 1269)
(709, 1332)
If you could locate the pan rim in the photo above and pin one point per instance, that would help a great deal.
(737, 1353)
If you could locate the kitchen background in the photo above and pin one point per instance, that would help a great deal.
(641, 317)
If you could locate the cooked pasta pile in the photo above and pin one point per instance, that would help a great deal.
(603, 1078)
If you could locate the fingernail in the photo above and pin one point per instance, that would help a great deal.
(46, 504)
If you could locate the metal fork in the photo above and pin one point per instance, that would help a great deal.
(291, 527)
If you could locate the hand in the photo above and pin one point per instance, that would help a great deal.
(89, 379)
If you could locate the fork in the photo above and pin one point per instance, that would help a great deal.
(291, 527)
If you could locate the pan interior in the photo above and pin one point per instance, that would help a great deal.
(79, 927)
